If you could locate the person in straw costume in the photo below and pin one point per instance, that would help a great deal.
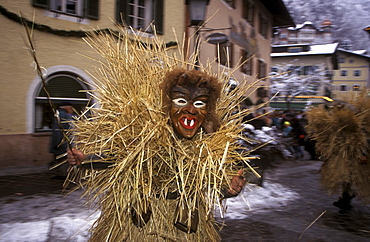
(167, 136)
(342, 132)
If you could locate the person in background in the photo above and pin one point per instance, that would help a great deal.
(288, 137)
(341, 130)
(298, 133)
(287, 128)
(257, 120)
(58, 145)
(267, 118)
(276, 120)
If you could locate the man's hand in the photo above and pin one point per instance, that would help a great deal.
(237, 183)
(75, 157)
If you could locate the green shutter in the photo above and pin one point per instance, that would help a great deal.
(40, 3)
(92, 9)
(121, 9)
(158, 16)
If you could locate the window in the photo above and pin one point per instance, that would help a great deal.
(261, 92)
(341, 60)
(263, 26)
(261, 69)
(225, 54)
(61, 87)
(343, 87)
(246, 68)
(356, 88)
(351, 61)
(294, 70)
(294, 49)
(274, 70)
(71, 7)
(248, 11)
(139, 14)
(309, 70)
(231, 3)
(357, 73)
(343, 73)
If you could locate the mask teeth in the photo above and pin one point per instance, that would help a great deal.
(192, 123)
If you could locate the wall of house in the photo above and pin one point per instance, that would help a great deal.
(19, 77)
(305, 60)
(19, 81)
(229, 21)
(351, 63)
(25, 151)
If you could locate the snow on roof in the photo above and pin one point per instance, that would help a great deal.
(298, 26)
(361, 52)
(314, 50)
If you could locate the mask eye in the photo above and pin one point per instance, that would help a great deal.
(199, 104)
(180, 102)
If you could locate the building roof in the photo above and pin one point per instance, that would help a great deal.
(281, 15)
(361, 52)
(299, 26)
(355, 52)
(367, 28)
(326, 22)
(323, 49)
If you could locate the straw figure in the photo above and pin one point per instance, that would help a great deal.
(167, 136)
(342, 132)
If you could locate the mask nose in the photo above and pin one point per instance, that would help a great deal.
(191, 109)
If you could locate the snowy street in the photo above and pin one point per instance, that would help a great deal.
(282, 210)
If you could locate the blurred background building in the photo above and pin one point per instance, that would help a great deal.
(306, 33)
(352, 74)
(305, 45)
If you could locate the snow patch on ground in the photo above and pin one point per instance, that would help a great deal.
(255, 199)
(64, 218)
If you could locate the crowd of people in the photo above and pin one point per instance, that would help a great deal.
(292, 127)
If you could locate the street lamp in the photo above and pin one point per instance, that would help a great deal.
(197, 13)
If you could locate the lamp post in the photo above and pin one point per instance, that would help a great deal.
(197, 13)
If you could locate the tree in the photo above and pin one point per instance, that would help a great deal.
(290, 80)
(348, 17)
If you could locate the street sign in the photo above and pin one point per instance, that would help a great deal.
(217, 38)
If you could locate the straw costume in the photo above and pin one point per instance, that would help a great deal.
(158, 186)
(342, 132)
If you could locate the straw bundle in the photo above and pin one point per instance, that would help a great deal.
(342, 132)
(129, 131)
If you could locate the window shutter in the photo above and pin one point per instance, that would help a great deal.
(92, 9)
(158, 16)
(40, 3)
(261, 69)
(121, 7)
(248, 11)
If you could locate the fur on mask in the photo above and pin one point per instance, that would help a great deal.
(182, 77)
